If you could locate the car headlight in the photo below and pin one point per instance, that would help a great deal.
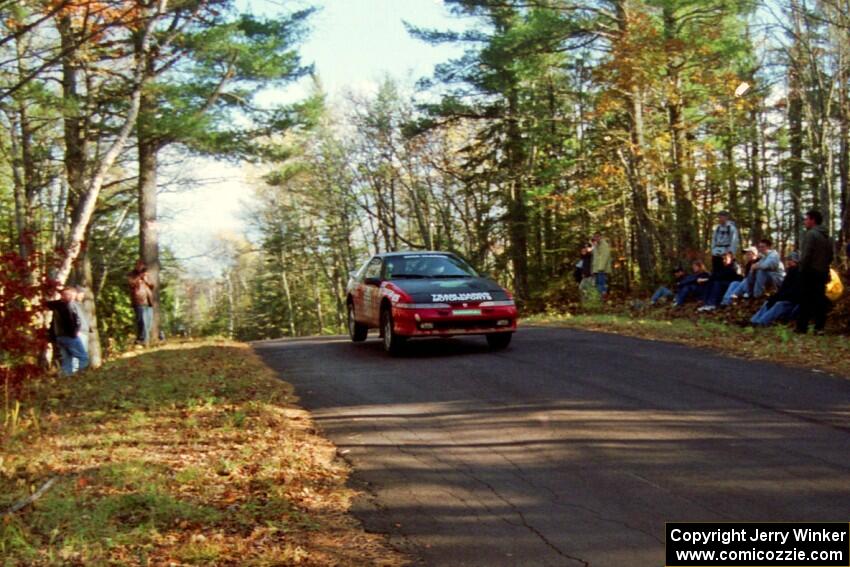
(422, 306)
(503, 303)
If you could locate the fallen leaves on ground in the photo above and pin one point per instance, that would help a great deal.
(192, 454)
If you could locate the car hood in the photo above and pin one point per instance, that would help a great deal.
(452, 290)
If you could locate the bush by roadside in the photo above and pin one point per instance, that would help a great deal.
(189, 454)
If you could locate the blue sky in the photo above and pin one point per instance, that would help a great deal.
(356, 41)
(353, 44)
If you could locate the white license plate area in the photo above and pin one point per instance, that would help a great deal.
(466, 312)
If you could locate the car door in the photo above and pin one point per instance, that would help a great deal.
(370, 293)
(355, 289)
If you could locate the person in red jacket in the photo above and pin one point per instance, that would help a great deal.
(142, 298)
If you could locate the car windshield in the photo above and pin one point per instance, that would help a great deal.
(427, 266)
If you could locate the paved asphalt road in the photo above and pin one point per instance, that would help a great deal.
(570, 448)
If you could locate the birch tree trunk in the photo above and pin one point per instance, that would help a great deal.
(82, 213)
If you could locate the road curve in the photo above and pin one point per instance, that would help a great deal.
(570, 448)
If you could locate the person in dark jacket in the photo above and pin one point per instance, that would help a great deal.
(693, 285)
(65, 331)
(664, 292)
(783, 305)
(587, 283)
(815, 259)
(721, 278)
(583, 266)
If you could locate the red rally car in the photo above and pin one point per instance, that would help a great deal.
(427, 294)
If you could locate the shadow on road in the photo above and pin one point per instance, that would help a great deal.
(571, 447)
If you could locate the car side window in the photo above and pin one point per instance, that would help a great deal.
(373, 270)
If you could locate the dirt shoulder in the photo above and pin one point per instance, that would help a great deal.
(188, 454)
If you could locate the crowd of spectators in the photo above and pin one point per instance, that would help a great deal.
(793, 288)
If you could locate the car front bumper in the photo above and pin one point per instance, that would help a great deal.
(447, 322)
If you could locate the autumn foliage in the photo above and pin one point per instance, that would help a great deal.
(22, 332)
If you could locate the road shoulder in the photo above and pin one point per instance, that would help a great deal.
(190, 454)
(827, 354)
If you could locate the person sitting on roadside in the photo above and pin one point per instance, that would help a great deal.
(768, 272)
(783, 305)
(740, 288)
(693, 285)
(721, 278)
(65, 331)
(663, 292)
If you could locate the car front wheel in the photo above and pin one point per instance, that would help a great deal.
(499, 341)
(393, 343)
(357, 331)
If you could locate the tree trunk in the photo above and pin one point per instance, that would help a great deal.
(517, 209)
(731, 168)
(685, 213)
(290, 310)
(844, 176)
(686, 234)
(148, 228)
(634, 165)
(19, 183)
(87, 200)
(796, 164)
(754, 204)
(90, 310)
(320, 318)
(844, 138)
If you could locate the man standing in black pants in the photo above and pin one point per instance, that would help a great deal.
(815, 259)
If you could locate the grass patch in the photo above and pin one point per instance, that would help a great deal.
(192, 454)
(829, 353)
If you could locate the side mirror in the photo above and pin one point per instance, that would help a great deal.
(372, 281)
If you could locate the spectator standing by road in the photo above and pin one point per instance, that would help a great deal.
(601, 265)
(584, 273)
(725, 239)
(85, 325)
(65, 330)
(815, 259)
(142, 297)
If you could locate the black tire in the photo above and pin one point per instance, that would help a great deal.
(393, 343)
(499, 341)
(357, 331)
